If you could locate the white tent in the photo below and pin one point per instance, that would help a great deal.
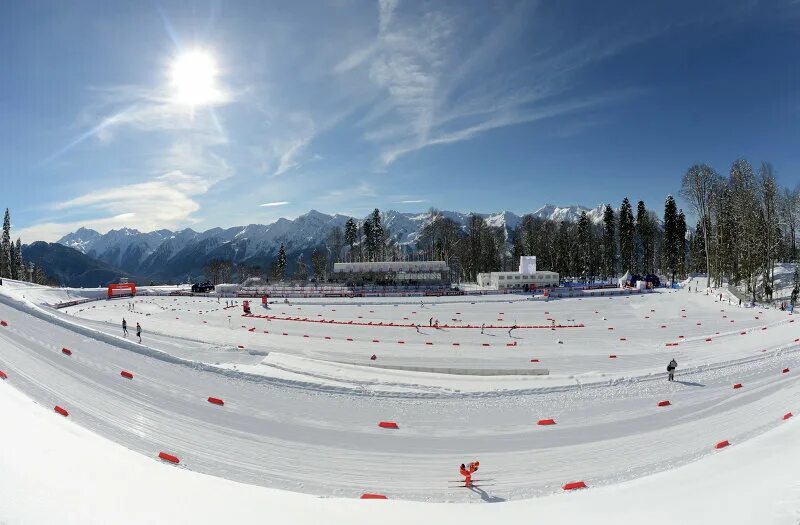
(624, 279)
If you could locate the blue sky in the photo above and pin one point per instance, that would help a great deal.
(344, 105)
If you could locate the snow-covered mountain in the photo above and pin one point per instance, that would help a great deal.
(168, 255)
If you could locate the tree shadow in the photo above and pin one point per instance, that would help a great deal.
(485, 496)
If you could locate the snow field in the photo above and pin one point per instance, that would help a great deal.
(320, 435)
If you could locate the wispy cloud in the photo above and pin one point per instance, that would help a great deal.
(412, 201)
(441, 83)
(278, 203)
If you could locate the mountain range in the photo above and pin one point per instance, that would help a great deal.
(174, 256)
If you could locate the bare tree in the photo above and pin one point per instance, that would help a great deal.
(697, 187)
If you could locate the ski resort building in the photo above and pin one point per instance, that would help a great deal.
(527, 277)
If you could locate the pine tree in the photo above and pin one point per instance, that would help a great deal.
(280, 263)
(670, 246)
(626, 236)
(645, 233)
(6, 253)
(378, 237)
(20, 265)
(474, 261)
(697, 251)
(681, 243)
(585, 245)
(350, 233)
(609, 242)
(368, 245)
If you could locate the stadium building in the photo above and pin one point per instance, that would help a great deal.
(526, 278)
(392, 273)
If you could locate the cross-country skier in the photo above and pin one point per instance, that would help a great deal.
(483, 325)
(467, 471)
(417, 327)
(671, 369)
(124, 327)
(139, 332)
(512, 328)
(430, 321)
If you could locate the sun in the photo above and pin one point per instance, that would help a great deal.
(193, 78)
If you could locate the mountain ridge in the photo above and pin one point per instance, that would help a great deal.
(181, 254)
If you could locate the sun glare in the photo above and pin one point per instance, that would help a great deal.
(193, 79)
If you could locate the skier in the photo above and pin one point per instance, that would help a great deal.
(483, 325)
(139, 332)
(417, 327)
(512, 328)
(430, 321)
(671, 369)
(124, 327)
(467, 471)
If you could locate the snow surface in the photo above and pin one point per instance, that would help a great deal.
(52, 470)
(301, 413)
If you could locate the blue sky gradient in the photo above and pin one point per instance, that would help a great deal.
(345, 105)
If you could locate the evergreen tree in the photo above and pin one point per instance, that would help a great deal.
(670, 245)
(6, 253)
(645, 232)
(280, 263)
(350, 233)
(626, 236)
(19, 264)
(378, 237)
(585, 246)
(477, 241)
(796, 282)
(368, 246)
(697, 251)
(681, 241)
(609, 242)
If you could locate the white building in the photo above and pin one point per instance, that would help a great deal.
(525, 276)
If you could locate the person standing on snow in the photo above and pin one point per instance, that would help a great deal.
(124, 327)
(139, 332)
(671, 369)
(483, 325)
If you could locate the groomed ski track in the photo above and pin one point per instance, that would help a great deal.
(324, 440)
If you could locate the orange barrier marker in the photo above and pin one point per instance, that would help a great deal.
(388, 424)
(216, 401)
(787, 415)
(61, 411)
(126, 375)
(3, 375)
(66, 351)
(664, 403)
(722, 444)
(737, 385)
(546, 422)
(368, 495)
(785, 370)
(168, 457)
(574, 485)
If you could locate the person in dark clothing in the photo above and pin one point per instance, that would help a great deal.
(124, 327)
(430, 321)
(671, 369)
(139, 332)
